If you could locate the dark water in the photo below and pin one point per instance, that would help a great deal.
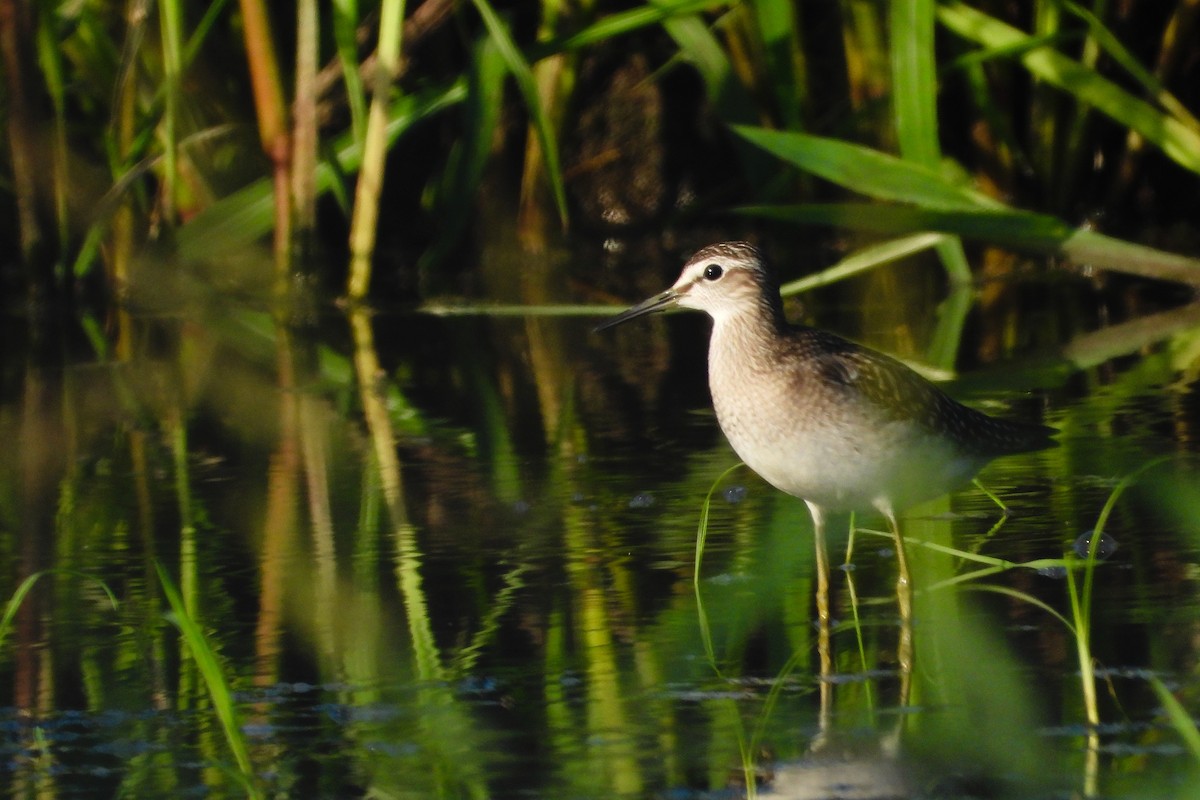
(481, 586)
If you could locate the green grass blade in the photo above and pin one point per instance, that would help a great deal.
(1081, 615)
(481, 114)
(171, 24)
(702, 527)
(623, 22)
(199, 32)
(1173, 137)
(345, 30)
(951, 319)
(701, 537)
(867, 171)
(1024, 597)
(23, 589)
(1020, 230)
(219, 690)
(364, 221)
(864, 259)
(1112, 46)
(914, 81)
(779, 29)
(730, 99)
(49, 54)
(914, 104)
(1178, 716)
(523, 75)
(1004, 226)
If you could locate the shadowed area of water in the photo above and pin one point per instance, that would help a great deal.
(457, 561)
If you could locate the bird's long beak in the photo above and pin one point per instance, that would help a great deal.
(657, 303)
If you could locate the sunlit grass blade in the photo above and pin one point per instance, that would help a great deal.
(1007, 227)
(523, 75)
(443, 309)
(345, 28)
(999, 564)
(914, 81)
(171, 28)
(364, 220)
(219, 691)
(1113, 47)
(999, 225)
(1081, 614)
(305, 136)
(914, 104)
(867, 171)
(864, 259)
(1178, 141)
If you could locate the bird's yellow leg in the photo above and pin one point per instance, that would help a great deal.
(904, 599)
(824, 652)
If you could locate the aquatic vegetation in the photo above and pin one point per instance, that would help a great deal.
(438, 541)
(1051, 108)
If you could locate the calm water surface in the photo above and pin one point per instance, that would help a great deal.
(458, 562)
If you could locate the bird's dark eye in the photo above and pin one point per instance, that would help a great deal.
(712, 272)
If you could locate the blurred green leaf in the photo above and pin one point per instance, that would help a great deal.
(523, 75)
(779, 29)
(1180, 719)
(914, 104)
(731, 99)
(345, 27)
(219, 691)
(1174, 138)
(867, 171)
(1021, 230)
(242, 217)
(1120, 54)
(864, 259)
(624, 22)
(481, 112)
(914, 81)
(1039, 231)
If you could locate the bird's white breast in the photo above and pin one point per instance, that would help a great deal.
(820, 441)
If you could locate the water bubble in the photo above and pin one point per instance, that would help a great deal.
(473, 684)
(847, 567)
(1104, 548)
(641, 500)
(735, 494)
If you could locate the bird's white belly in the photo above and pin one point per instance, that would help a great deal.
(839, 459)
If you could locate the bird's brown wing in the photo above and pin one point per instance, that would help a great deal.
(899, 393)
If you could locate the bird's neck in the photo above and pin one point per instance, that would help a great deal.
(744, 341)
